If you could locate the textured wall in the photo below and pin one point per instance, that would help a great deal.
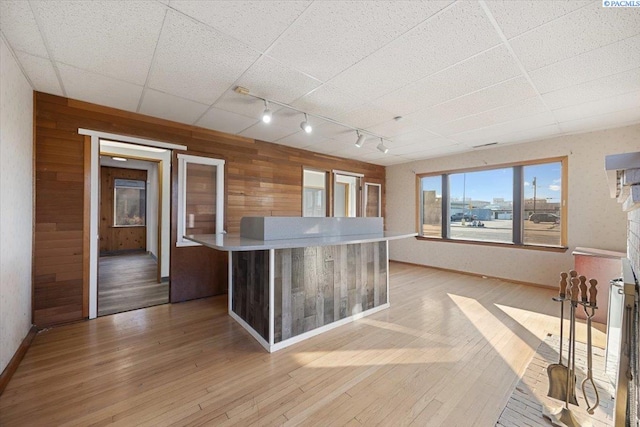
(16, 205)
(594, 219)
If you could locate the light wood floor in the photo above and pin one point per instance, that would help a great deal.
(128, 282)
(448, 352)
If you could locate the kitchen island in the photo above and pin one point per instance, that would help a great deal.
(291, 278)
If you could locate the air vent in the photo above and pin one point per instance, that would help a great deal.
(485, 145)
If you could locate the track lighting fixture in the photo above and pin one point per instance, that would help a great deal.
(267, 117)
(305, 125)
(381, 147)
(266, 114)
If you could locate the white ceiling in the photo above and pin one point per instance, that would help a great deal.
(460, 73)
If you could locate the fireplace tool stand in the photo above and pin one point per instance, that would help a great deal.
(562, 379)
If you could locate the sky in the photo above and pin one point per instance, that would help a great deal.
(498, 183)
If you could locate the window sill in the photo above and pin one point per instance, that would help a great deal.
(497, 244)
(128, 226)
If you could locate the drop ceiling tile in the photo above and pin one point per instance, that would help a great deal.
(241, 104)
(628, 81)
(328, 101)
(528, 107)
(601, 106)
(390, 160)
(171, 107)
(20, 28)
(197, 62)
(255, 23)
(517, 17)
(329, 146)
(604, 121)
(225, 121)
(302, 139)
(264, 132)
(98, 89)
(421, 137)
(270, 79)
(423, 147)
(394, 128)
(41, 73)
(605, 61)
(334, 131)
(498, 131)
(526, 135)
(459, 32)
(365, 116)
(359, 28)
(474, 103)
(483, 70)
(104, 37)
(578, 32)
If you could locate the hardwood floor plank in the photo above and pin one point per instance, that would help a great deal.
(129, 282)
(449, 351)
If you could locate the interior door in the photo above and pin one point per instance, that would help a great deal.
(347, 194)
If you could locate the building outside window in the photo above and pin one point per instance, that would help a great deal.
(518, 204)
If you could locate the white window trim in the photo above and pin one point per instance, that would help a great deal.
(183, 160)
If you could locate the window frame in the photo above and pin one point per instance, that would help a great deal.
(115, 203)
(183, 161)
(518, 229)
(327, 190)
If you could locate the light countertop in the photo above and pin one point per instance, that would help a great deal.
(234, 242)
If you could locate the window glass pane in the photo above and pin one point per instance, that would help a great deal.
(542, 196)
(200, 197)
(130, 202)
(314, 193)
(372, 204)
(480, 205)
(431, 198)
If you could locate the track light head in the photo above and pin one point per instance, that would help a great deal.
(305, 125)
(381, 147)
(360, 141)
(266, 114)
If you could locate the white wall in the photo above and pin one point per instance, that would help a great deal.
(165, 161)
(16, 204)
(594, 219)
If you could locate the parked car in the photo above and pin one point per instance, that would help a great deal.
(458, 217)
(544, 217)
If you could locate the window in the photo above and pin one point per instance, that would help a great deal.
(314, 193)
(200, 197)
(130, 203)
(372, 200)
(518, 204)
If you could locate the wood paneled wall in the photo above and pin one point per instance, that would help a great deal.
(114, 239)
(262, 179)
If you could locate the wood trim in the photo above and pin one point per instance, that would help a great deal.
(496, 244)
(564, 203)
(496, 166)
(86, 227)
(418, 207)
(468, 273)
(17, 358)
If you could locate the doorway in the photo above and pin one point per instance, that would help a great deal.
(129, 274)
(347, 198)
(131, 261)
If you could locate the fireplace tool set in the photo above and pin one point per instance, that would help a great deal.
(562, 378)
